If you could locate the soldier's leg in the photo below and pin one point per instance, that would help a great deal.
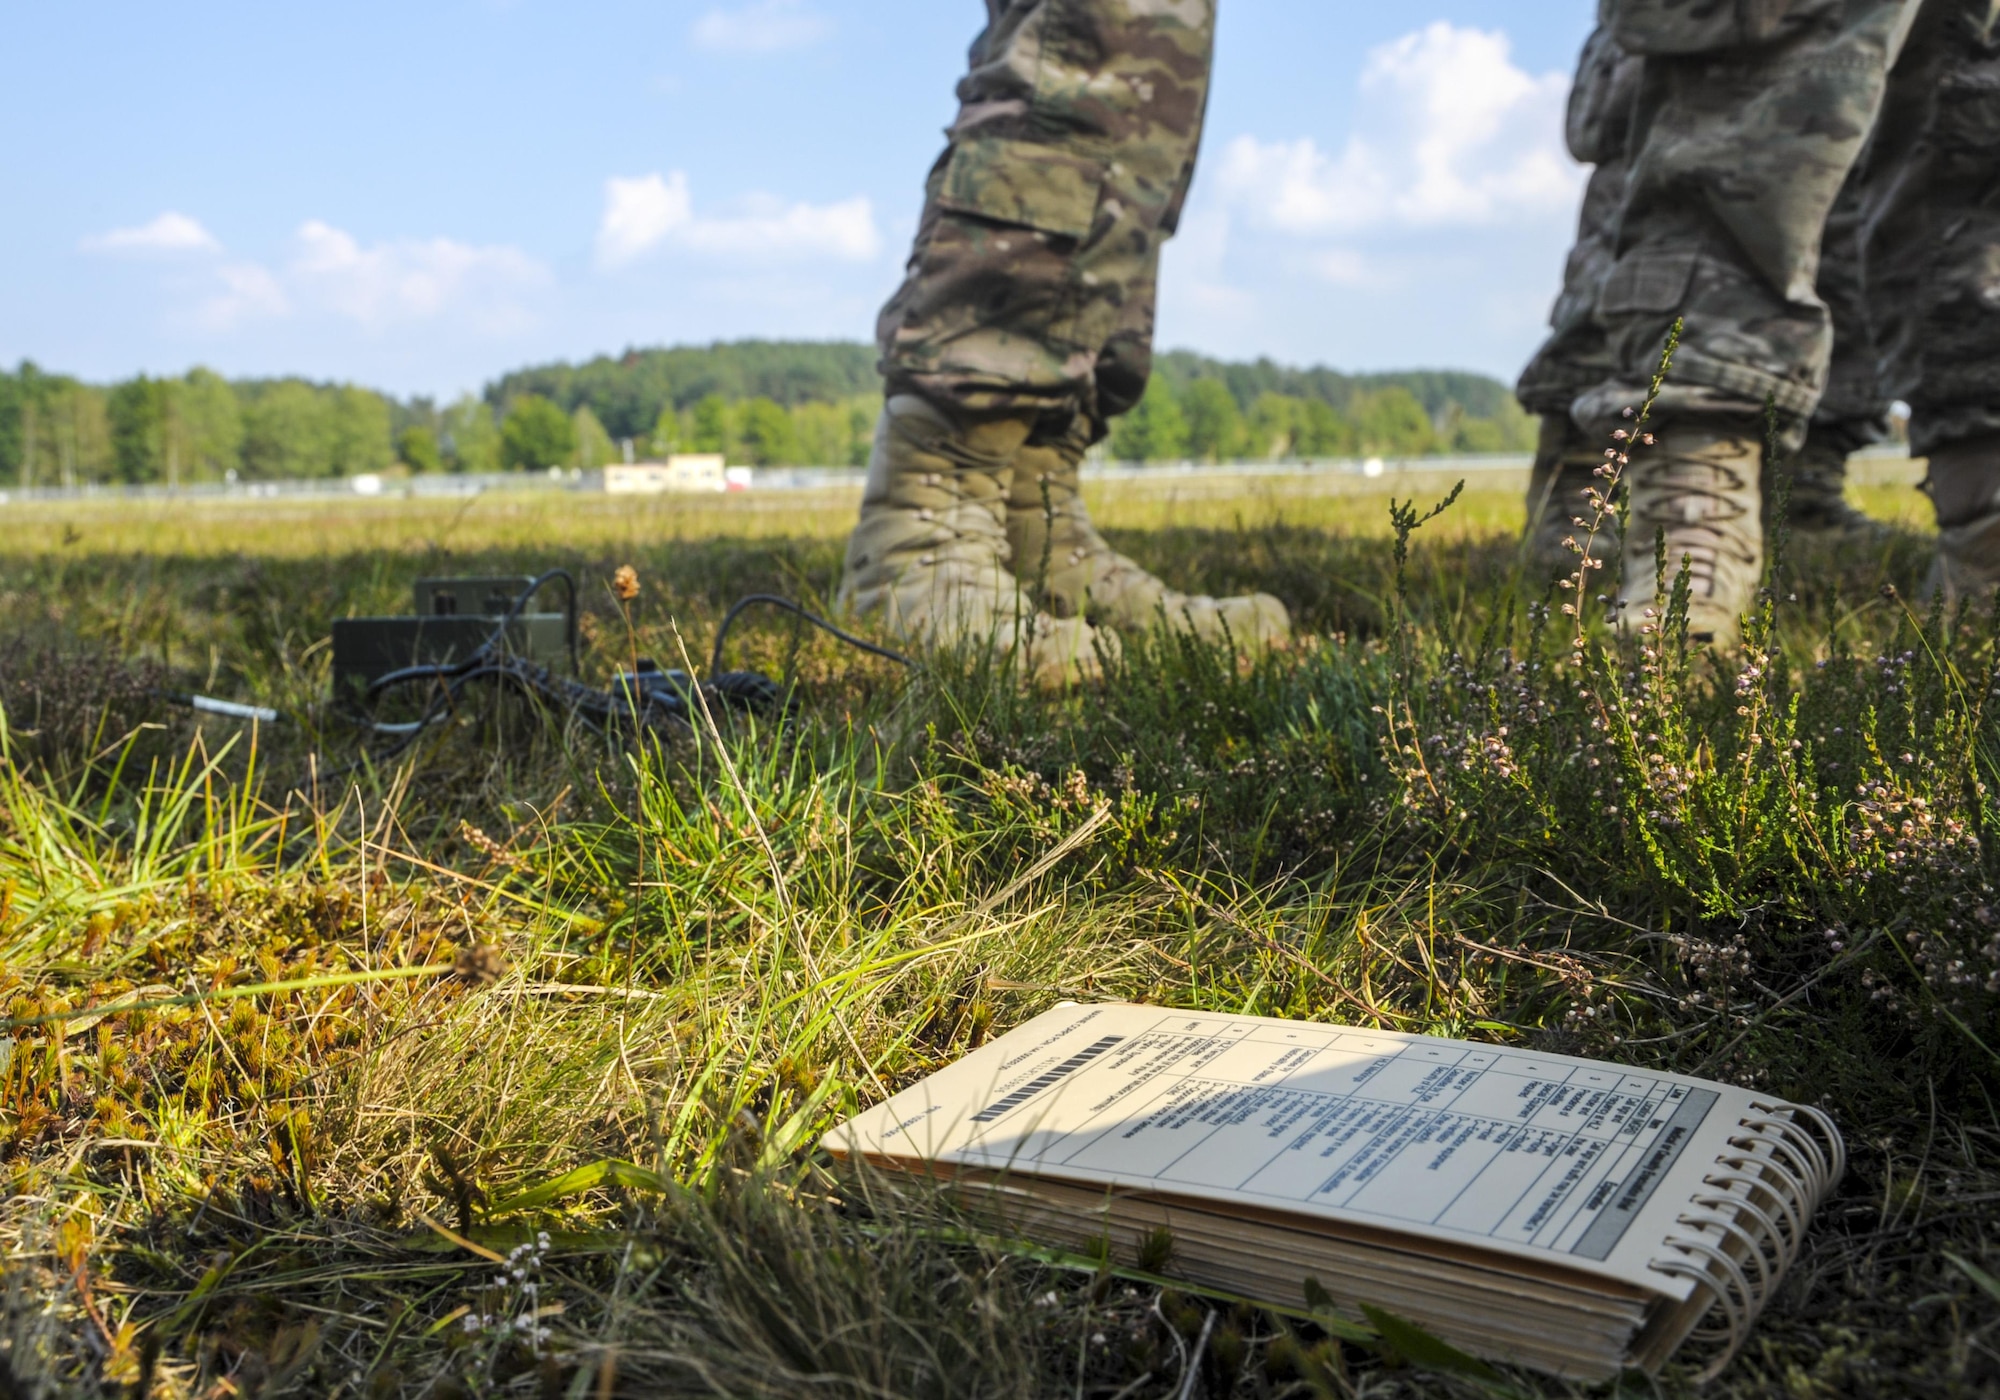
(929, 553)
(1932, 258)
(1076, 121)
(1030, 294)
(1071, 568)
(1853, 412)
(1575, 356)
(1748, 122)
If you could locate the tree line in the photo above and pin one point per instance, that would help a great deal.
(1203, 421)
(733, 396)
(58, 430)
(769, 403)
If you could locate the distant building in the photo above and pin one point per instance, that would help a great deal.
(696, 471)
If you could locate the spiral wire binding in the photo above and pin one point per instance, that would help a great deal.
(1744, 1300)
(1794, 1233)
(1831, 1168)
(1756, 1255)
(1772, 1263)
(1790, 1155)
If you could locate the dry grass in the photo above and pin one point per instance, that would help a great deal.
(585, 1010)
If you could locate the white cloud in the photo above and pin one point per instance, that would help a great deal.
(763, 27)
(768, 228)
(378, 284)
(249, 292)
(644, 212)
(169, 233)
(1452, 133)
(638, 213)
(384, 283)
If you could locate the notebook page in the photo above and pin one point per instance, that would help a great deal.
(1571, 1162)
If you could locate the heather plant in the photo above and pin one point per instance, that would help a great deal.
(1776, 828)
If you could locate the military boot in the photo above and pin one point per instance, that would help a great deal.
(1818, 496)
(1077, 574)
(1699, 486)
(1566, 465)
(930, 551)
(1964, 486)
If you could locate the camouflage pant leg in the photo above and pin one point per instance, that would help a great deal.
(1932, 234)
(1748, 121)
(1852, 412)
(1126, 361)
(1854, 409)
(1030, 286)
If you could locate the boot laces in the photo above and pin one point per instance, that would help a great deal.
(968, 462)
(1699, 505)
(1060, 488)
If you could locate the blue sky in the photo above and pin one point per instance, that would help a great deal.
(419, 196)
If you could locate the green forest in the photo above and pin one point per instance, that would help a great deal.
(763, 403)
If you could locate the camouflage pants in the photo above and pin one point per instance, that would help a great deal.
(1930, 226)
(1031, 284)
(1853, 409)
(1810, 185)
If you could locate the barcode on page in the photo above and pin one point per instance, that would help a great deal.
(1044, 1079)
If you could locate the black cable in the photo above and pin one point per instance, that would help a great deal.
(648, 697)
(773, 600)
(535, 586)
(480, 654)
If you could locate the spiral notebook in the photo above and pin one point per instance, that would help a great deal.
(1567, 1214)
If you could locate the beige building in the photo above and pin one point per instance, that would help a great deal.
(696, 471)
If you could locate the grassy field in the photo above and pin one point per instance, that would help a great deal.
(497, 1070)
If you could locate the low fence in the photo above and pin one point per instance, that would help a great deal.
(442, 484)
(761, 479)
